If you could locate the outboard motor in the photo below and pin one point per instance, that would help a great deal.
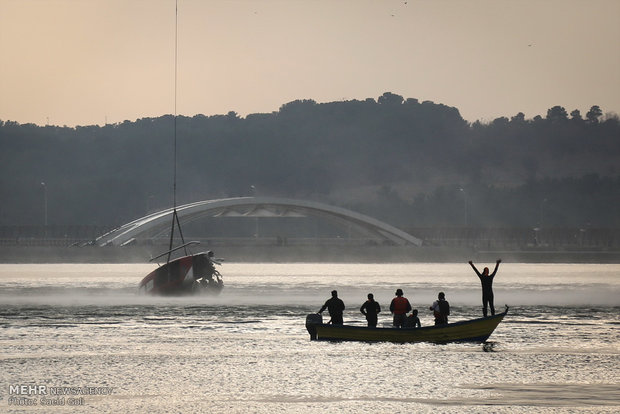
(312, 320)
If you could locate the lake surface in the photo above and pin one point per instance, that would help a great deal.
(83, 332)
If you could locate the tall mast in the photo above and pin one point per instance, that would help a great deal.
(176, 53)
(175, 217)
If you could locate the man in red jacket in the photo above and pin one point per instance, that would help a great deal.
(399, 307)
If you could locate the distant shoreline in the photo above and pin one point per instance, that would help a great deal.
(308, 254)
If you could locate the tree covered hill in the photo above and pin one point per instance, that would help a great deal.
(410, 163)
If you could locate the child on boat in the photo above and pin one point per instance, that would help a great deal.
(412, 320)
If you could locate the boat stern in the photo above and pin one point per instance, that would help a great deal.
(312, 320)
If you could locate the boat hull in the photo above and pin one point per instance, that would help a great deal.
(181, 277)
(476, 330)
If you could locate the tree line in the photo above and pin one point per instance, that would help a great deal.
(410, 163)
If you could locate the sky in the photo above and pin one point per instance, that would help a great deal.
(86, 62)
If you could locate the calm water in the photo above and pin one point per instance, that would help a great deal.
(247, 350)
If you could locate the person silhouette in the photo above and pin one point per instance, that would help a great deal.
(335, 307)
(370, 309)
(412, 320)
(399, 307)
(441, 309)
(486, 280)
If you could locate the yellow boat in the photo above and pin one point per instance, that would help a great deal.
(475, 330)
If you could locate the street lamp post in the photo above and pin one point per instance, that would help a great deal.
(44, 208)
(542, 207)
(254, 192)
(465, 200)
(148, 203)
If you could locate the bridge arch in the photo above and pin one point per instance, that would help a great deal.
(157, 223)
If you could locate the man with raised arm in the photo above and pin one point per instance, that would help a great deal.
(487, 286)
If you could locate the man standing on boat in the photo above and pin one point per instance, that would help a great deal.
(335, 307)
(399, 307)
(441, 309)
(370, 309)
(487, 286)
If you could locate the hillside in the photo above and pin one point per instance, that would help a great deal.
(410, 163)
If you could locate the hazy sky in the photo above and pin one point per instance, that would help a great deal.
(82, 62)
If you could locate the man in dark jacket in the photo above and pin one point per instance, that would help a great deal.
(335, 307)
(487, 286)
(370, 309)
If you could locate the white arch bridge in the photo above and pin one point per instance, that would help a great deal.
(156, 224)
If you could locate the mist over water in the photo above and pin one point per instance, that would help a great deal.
(247, 350)
(311, 283)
